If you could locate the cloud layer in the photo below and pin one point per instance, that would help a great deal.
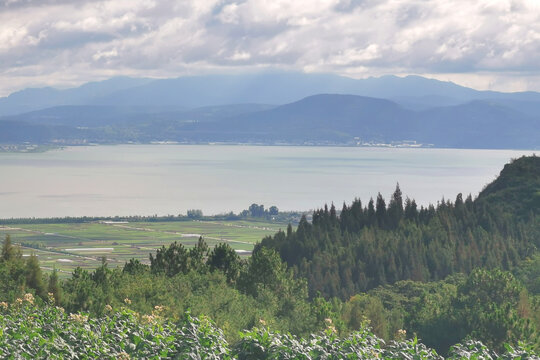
(483, 43)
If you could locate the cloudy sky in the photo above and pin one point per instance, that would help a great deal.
(486, 44)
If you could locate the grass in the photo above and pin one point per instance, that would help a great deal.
(66, 246)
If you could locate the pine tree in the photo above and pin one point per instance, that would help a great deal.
(34, 277)
(54, 287)
(9, 251)
(380, 211)
(370, 213)
(395, 208)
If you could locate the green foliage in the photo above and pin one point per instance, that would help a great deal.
(194, 214)
(30, 329)
(13, 272)
(365, 247)
(178, 259)
(516, 188)
(54, 287)
(363, 308)
(47, 332)
(258, 211)
(528, 272)
(135, 266)
(490, 306)
(487, 309)
(372, 248)
(34, 277)
(223, 258)
(9, 252)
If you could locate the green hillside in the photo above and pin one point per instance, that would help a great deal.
(517, 189)
(377, 244)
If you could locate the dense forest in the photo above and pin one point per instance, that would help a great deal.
(461, 270)
(379, 244)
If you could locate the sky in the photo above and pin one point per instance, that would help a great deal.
(484, 44)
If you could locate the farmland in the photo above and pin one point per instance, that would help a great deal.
(65, 246)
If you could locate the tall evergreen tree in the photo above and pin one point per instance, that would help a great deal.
(395, 208)
(34, 277)
(9, 251)
(380, 211)
(54, 287)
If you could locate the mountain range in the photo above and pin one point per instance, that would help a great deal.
(272, 108)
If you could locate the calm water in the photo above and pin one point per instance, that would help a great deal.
(169, 179)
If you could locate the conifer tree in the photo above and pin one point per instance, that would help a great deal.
(9, 251)
(54, 287)
(34, 277)
(395, 208)
(380, 211)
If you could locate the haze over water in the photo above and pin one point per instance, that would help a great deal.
(170, 179)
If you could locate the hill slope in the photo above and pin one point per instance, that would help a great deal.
(517, 189)
(367, 246)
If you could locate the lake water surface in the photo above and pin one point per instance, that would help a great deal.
(169, 179)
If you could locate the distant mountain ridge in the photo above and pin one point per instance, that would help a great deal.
(275, 108)
(264, 88)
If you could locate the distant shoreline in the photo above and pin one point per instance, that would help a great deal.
(41, 148)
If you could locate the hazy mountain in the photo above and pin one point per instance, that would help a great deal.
(13, 132)
(341, 118)
(282, 88)
(479, 124)
(142, 110)
(413, 92)
(34, 99)
(333, 118)
(104, 115)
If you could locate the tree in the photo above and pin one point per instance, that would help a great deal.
(273, 211)
(265, 270)
(170, 261)
(194, 214)
(395, 208)
(197, 256)
(10, 252)
(411, 210)
(488, 305)
(380, 211)
(370, 213)
(54, 287)
(134, 267)
(34, 277)
(256, 210)
(226, 260)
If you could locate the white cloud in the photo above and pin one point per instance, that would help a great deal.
(499, 41)
(105, 54)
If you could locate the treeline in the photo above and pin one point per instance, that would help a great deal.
(367, 246)
(254, 211)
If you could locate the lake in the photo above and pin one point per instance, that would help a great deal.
(170, 179)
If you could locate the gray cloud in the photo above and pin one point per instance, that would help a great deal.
(497, 41)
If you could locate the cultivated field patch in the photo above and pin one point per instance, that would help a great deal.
(66, 246)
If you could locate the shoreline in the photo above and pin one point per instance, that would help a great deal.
(42, 148)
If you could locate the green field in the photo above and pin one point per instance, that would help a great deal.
(67, 246)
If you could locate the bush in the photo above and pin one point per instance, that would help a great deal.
(30, 329)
